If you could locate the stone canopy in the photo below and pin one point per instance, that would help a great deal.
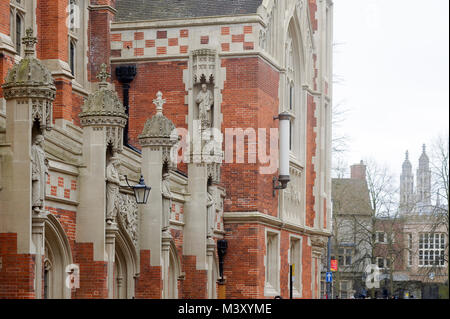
(103, 102)
(158, 126)
(29, 77)
(103, 106)
(158, 130)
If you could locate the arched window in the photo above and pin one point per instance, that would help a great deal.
(293, 91)
(19, 33)
(77, 23)
(17, 24)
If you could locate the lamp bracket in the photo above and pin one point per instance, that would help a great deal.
(280, 183)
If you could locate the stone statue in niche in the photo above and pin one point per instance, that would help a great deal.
(211, 211)
(205, 101)
(112, 190)
(167, 201)
(39, 172)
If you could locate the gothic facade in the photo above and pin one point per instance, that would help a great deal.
(97, 96)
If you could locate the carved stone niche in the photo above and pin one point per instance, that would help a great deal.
(204, 66)
(213, 172)
(204, 77)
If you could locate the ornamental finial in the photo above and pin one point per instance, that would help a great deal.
(159, 102)
(29, 41)
(103, 76)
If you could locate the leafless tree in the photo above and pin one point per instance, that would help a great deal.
(367, 211)
(440, 186)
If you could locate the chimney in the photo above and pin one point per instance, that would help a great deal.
(358, 171)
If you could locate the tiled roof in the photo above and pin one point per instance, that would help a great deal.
(351, 196)
(134, 10)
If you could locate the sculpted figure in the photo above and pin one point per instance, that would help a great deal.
(167, 201)
(112, 190)
(39, 172)
(211, 211)
(205, 100)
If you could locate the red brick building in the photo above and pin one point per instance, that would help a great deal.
(225, 69)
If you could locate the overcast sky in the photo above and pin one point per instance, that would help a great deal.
(393, 59)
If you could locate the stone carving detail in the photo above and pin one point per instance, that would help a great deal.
(31, 79)
(213, 171)
(211, 212)
(167, 201)
(262, 38)
(114, 138)
(318, 245)
(204, 66)
(103, 108)
(112, 190)
(128, 216)
(205, 101)
(42, 111)
(159, 132)
(293, 196)
(293, 193)
(39, 174)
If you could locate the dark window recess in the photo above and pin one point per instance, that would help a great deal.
(18, 34)
(72, 57)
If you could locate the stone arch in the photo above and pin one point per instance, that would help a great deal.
(174, 270)
(296, 77)
(58, 256)
(126, 266)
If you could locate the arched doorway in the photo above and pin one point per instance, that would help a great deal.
(57, 257)
(125, 267)
(174, 272)
(120, 276)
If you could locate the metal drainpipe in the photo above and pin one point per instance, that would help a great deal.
(125, 75)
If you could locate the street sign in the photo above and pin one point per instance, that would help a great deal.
(333, 265)
(329, 277)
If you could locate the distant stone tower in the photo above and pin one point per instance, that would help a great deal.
(423, 190)
(406, 186)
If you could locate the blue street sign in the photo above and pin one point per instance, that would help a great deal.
(329, 277)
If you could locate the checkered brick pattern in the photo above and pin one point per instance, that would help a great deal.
(177, 41)
(62, 186)
(177, 212)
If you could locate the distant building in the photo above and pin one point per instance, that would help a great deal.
(418, 200)
(352, 224)
(415, 243)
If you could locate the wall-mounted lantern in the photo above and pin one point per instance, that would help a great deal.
(285, 136)
(141, 191)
